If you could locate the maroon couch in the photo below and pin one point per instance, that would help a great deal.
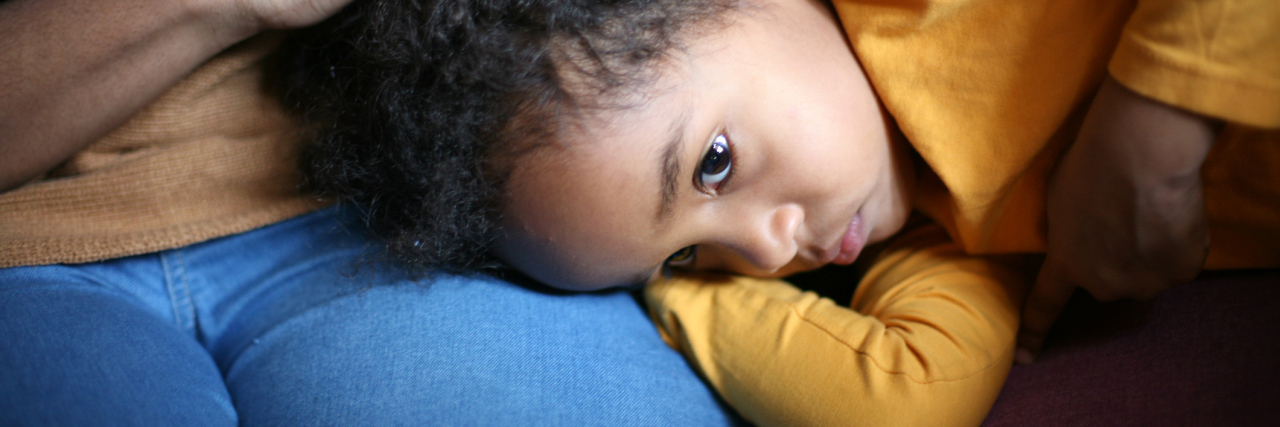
(1202, 354)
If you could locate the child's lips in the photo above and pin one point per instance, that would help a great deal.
(851, 244)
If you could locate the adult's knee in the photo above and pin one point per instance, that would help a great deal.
(469, 351)
(77, 355)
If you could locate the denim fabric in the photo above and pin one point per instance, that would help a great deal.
(292, 324)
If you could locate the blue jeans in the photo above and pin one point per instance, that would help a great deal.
(292, 324)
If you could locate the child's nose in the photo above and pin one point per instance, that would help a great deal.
(768, 240)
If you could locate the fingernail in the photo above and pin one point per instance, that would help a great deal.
(1024, 357)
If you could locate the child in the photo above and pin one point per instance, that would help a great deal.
(759, 147)
(592, 146)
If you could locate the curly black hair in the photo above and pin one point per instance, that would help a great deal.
(419, 107)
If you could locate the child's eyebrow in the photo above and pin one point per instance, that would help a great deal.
(669, 167)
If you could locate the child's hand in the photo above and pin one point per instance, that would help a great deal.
(1125, 207)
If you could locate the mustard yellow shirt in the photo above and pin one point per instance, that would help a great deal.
(990, 93)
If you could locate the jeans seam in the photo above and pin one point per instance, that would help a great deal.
(175, 271)
(192, 323)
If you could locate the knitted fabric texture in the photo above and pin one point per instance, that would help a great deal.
(215, 155)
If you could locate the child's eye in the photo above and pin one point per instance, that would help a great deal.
(715, 165)
(683, 257)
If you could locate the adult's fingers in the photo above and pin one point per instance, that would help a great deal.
(1049, 294)
(285, 14)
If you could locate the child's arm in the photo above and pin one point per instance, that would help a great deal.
(72, 70)
(1126, 211)
(930, 342)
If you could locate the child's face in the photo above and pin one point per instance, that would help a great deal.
(763, 147)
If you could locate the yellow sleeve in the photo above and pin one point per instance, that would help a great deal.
(1220, 58)
(930, 342)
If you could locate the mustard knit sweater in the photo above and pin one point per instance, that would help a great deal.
(215, 155)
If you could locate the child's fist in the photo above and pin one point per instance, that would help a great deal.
(1125, 207)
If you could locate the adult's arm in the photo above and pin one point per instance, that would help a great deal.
(73, 70)
(929, 339)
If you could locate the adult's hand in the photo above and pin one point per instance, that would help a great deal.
(73, 70)
(1125, 207)
(284, 14)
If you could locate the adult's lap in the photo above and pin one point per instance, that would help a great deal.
(74, 355)
(469, 351)
(304, 332)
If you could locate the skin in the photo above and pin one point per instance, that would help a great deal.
(73, 70)
(812, 150)
(1126, 208)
